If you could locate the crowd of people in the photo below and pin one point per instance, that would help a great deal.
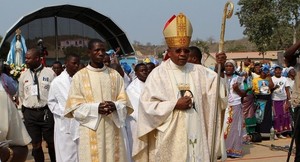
(175, 111)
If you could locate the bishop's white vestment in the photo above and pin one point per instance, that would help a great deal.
(167, 134)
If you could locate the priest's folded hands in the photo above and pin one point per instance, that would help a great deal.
(106, 107)
(184, 103)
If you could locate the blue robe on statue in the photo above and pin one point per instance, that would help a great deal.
(11, 57)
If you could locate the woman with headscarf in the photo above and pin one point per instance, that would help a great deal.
(290, 81)
(280, 98)
(233, 129)
(262, 87)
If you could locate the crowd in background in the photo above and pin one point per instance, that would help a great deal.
(258, 96)
(259, 104)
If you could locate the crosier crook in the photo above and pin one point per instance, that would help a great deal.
(226, 15)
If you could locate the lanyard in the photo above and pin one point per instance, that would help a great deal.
(36, 82)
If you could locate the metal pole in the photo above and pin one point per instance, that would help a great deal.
(294, 134)
(56, 38)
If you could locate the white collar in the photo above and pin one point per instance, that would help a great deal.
(89, 67)
(173, 66)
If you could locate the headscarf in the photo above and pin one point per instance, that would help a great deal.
(289, 69)
(232, 62)
(265, 68)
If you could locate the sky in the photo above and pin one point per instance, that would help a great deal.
(141, 20)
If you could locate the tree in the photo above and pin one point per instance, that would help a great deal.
(270, 24)
(210, 40)
(201, 44)
(160, 55)
(260, 21)
(282, 37)
(289, 13)
(237, 48)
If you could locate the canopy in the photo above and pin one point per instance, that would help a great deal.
(67, 25)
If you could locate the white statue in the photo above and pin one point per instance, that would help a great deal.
(17, 50)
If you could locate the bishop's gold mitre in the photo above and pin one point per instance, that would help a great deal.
(178, 31)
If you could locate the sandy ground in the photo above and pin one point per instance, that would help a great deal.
(261, 152)
(255, 152)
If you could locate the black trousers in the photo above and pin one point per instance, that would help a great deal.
(40, 125)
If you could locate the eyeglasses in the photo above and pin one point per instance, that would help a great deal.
(179, 50)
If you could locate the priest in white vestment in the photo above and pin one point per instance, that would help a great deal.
(177, 106)
(12, 130)
(65, 129)
(134, 91)
(97, 101)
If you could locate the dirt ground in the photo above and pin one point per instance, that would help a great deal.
(255, 152)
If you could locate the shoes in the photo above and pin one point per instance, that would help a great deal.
(246, 139)
(275, 137)
(247, 143)
(281, 136)
(233, 156)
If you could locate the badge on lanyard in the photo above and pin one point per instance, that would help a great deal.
(34, 90)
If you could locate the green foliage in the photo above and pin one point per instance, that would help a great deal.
(240, 45)
(270, 24)
(289, 14)
(237, 48)
(289, 10)
(160, 55)
(208, 46)
(203, 45)
(282, 37)
(259, 19)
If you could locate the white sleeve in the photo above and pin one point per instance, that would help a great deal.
(87, 115)
(52, 101)
(120, 114)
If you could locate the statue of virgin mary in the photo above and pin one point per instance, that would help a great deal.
(16, 54)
